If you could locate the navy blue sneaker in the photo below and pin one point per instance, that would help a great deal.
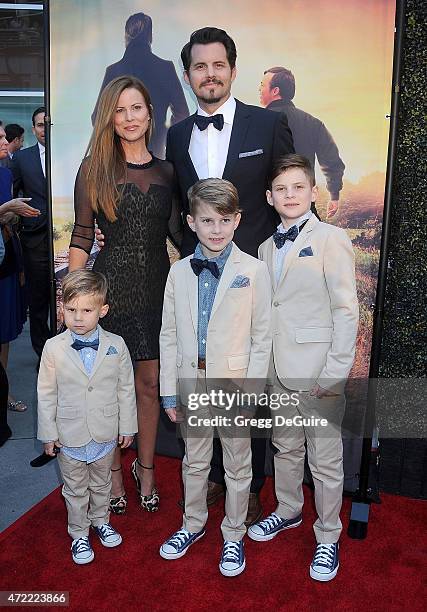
(271, 526)
(325, 562)
(178, 544)
(107, 535)
(232, 559)
(81, 551)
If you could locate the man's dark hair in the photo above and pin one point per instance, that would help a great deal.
(13, 130)
(292, 160)
(139, 25)
(40, 109)
(284, 80)
(206, 36)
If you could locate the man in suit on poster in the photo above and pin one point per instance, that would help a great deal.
(311, 137)
(28, 169)
(231, 140)
(157, 74)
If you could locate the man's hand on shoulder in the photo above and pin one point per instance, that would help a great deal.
(99, 237)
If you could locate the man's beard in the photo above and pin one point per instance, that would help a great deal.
(212, 99)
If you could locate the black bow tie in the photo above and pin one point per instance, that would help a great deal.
(204, 264)
(78, 345)
(202, 122)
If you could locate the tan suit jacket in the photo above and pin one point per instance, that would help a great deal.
(315, 311)
(74, 407)
(238, 343)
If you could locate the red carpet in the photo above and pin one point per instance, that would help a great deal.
(385, 572)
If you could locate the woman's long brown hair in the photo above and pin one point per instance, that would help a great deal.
(105, 161)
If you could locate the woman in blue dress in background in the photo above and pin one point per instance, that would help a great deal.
(13, 308)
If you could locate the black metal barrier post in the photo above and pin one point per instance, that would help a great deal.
(359, 517)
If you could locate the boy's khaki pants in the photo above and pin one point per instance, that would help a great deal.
(237, 459)
(86, 490)
(325, 458)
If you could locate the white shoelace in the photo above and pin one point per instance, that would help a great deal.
(106, 530)
(270, 522)
(231, 552)
(80, 545)
(179, 538)
(324, 555)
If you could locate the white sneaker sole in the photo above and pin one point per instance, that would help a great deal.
(84, 561)
(265, 538)
(171, 556)
(111, 544)
(230, 573)
(323, 577)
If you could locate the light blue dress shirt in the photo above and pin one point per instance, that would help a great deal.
(208, 286)
(92, 451)
(281, 253)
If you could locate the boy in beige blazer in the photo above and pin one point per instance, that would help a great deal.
(215, 329)
(86, 405)
(314, 321)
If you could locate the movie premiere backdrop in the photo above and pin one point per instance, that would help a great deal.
(339, 52)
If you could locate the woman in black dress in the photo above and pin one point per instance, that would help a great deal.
(130, 194)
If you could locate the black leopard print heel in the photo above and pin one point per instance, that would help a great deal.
(151, 502)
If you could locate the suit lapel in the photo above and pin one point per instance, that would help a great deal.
(193, 295)
(295, 248)
(227, 276)
(37, 164)
(238, 133)
(72, 353)
(104, 345)
(187, 130)
(270, 254)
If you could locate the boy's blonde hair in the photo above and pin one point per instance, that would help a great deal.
(84, 282)
(218, 193)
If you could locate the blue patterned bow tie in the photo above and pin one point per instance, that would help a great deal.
(204, 264)
(78, 345)
(202, 122)
(280, 238)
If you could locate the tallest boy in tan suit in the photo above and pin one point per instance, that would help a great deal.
(314, 322)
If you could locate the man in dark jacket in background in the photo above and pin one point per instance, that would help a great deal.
(311, 138)
(158, 75)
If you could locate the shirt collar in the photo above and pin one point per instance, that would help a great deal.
(220, 260)
(227, 110)
(298, 222)
(94, 336)
(41, 148)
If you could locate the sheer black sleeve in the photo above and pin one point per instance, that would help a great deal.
(175, 225)
(84, 218)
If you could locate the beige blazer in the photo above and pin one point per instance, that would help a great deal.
(238, 343)
(74, 407)
(315, 311)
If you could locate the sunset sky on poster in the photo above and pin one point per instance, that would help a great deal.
(340, 53)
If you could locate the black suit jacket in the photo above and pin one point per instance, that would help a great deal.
(29, 179)
(258, 137)
(160, 78)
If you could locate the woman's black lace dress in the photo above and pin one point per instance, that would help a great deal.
(135, 258)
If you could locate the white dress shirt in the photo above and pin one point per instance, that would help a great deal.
(209, 148)
(281, 253)
(42, 157)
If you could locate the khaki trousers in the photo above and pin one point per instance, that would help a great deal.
(325, 458)
(86, 490)
(237, 458)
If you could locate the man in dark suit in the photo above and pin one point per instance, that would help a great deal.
(28, 168)
(231, 140)
(311, 137)
(158, 75)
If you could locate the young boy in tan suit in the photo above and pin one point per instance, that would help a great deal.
(314, 323)
(215, 328)
(86, 406)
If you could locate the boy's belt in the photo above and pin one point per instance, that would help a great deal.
(201, 364)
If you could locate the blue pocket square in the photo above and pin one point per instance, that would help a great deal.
(240, 281)
(112, 351)
(307, 252)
